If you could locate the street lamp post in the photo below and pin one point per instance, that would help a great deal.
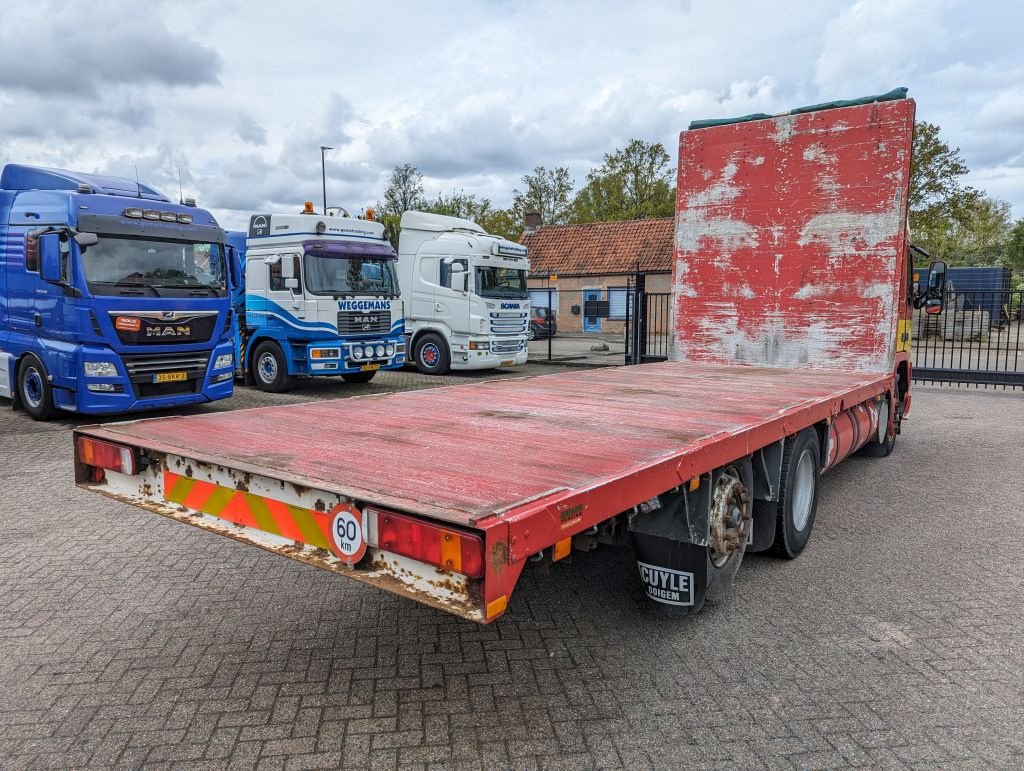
(323, 172)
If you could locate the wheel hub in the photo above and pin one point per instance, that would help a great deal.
(267, 368)
(33, 387)
(730, 518)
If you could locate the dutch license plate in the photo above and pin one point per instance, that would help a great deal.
(509, 363)
(170, 377)
(370, 367)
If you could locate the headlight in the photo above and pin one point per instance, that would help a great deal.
(223, 361)
(390, 350)
(100, 369)
(368, 352)
(357, 352)
(379, 350)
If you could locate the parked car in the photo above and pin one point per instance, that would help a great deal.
(543, 323)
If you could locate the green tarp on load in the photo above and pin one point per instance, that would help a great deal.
(896, 93)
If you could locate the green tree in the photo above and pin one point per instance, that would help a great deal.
(403, 193)
(501, 222)
(632, 183)
(547, 193)
(457, 203)
(941, 206)
(1013, 254)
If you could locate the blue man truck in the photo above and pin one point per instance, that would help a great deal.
(112, 298)
(319, 296)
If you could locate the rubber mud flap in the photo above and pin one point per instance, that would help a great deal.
(673, 573)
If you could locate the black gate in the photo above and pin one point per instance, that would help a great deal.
(648, 324)
(976, 341)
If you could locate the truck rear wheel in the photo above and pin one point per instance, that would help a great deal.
(358, 377)
(798, 494)
(729, 524)
(432, 356)
(270, 370)
(34, 391)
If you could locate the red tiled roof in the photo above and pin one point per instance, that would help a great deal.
(600, 248)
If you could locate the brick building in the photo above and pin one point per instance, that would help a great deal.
(571, 265)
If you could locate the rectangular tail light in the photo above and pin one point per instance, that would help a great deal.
(421, 540)
(106, 455)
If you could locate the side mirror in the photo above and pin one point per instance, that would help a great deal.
(234, 267)
(50, 257)
(86, 239)
(935, 294)
(291, 283)
(937, 279)
(287, 268)
(459, 276)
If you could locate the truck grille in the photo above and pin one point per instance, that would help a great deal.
(506, 346)
(356, 323)
(142, 371)
(508, 323)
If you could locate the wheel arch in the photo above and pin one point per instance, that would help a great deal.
(273, 337)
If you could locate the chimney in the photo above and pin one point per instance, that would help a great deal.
(532, 221)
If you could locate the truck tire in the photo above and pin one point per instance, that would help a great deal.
(883, 446)
(34, 391)
(730, 522)
(432, 356)
(270, 369)
(358, 377)
(798, 494)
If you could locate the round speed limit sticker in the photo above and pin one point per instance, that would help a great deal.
(347, 533)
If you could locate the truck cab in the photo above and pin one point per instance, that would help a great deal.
(319, 296)
(465, 295)
(112, 298)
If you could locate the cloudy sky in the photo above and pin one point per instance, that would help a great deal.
(239, 96)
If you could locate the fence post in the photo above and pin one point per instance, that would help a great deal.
(550, 311)
(637, 327)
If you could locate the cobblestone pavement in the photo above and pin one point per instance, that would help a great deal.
(897, 639)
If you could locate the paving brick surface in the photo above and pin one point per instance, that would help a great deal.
(895, 640)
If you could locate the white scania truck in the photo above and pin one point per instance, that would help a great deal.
(464, 293)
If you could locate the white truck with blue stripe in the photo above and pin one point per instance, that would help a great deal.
(320, 297)
(466, 301)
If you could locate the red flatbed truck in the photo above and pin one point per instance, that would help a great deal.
(791, 351)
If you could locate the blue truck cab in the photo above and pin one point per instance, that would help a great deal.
(319, 296)
(113, 299)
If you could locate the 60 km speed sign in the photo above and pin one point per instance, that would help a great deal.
(347, 536)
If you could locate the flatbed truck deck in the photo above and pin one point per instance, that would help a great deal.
(591, 443)
(790, 330)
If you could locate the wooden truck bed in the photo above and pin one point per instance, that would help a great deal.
(525, 462)
(463, 454)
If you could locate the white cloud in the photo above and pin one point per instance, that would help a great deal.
(475, 94)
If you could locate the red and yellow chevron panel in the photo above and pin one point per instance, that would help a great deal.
(244, 508)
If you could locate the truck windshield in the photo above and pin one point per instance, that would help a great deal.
(350, 275)
(501, 282)
(120, 264)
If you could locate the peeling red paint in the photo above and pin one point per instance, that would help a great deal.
(789, 239)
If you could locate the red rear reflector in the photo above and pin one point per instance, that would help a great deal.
(447, 549)
(113, 457)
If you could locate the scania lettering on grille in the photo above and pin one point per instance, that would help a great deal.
(169, 330)
(510, 306)
(364, 306)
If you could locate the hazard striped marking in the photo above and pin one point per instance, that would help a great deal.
(243, 508)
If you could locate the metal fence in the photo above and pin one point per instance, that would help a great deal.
(585, 327)
(976, 341)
